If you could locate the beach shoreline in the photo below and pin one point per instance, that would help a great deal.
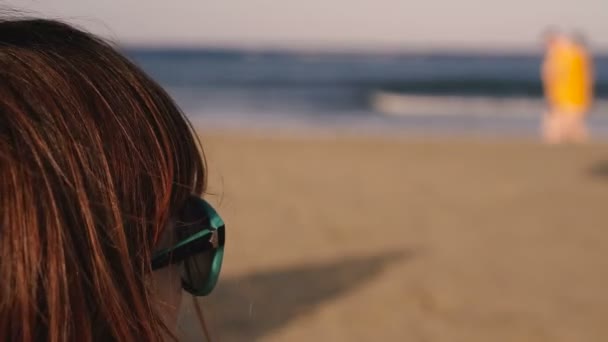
(433, 127)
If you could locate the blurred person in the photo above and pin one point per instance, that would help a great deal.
(567, 75)
(101, 223)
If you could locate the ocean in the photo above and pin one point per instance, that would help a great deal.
(431, 93)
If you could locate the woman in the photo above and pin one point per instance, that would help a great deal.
(567, 75)
(100, 221)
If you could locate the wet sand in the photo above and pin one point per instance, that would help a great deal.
(363, 239)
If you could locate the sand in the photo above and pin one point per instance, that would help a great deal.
(339, 238)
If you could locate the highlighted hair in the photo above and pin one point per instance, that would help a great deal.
(94, 159)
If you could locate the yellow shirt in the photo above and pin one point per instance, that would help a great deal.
(568, 78)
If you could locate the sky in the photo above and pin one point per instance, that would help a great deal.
(330, 24)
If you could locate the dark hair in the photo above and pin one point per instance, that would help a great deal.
(580, 38)
(549, 34)
(94, 159)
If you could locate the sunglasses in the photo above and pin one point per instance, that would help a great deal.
(201, 236)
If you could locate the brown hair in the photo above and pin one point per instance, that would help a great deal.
(94, 159)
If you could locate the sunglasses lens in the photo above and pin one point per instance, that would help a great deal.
(197, 270)
(202, 267)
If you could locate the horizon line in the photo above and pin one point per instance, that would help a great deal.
(348, 49)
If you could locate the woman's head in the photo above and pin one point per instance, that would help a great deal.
(95, 161)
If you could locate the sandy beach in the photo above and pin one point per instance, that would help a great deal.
(339, 238)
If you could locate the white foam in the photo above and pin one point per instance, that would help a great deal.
(395, 104)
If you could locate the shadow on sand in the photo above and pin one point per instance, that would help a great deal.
(247, 307)
(599, 169)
